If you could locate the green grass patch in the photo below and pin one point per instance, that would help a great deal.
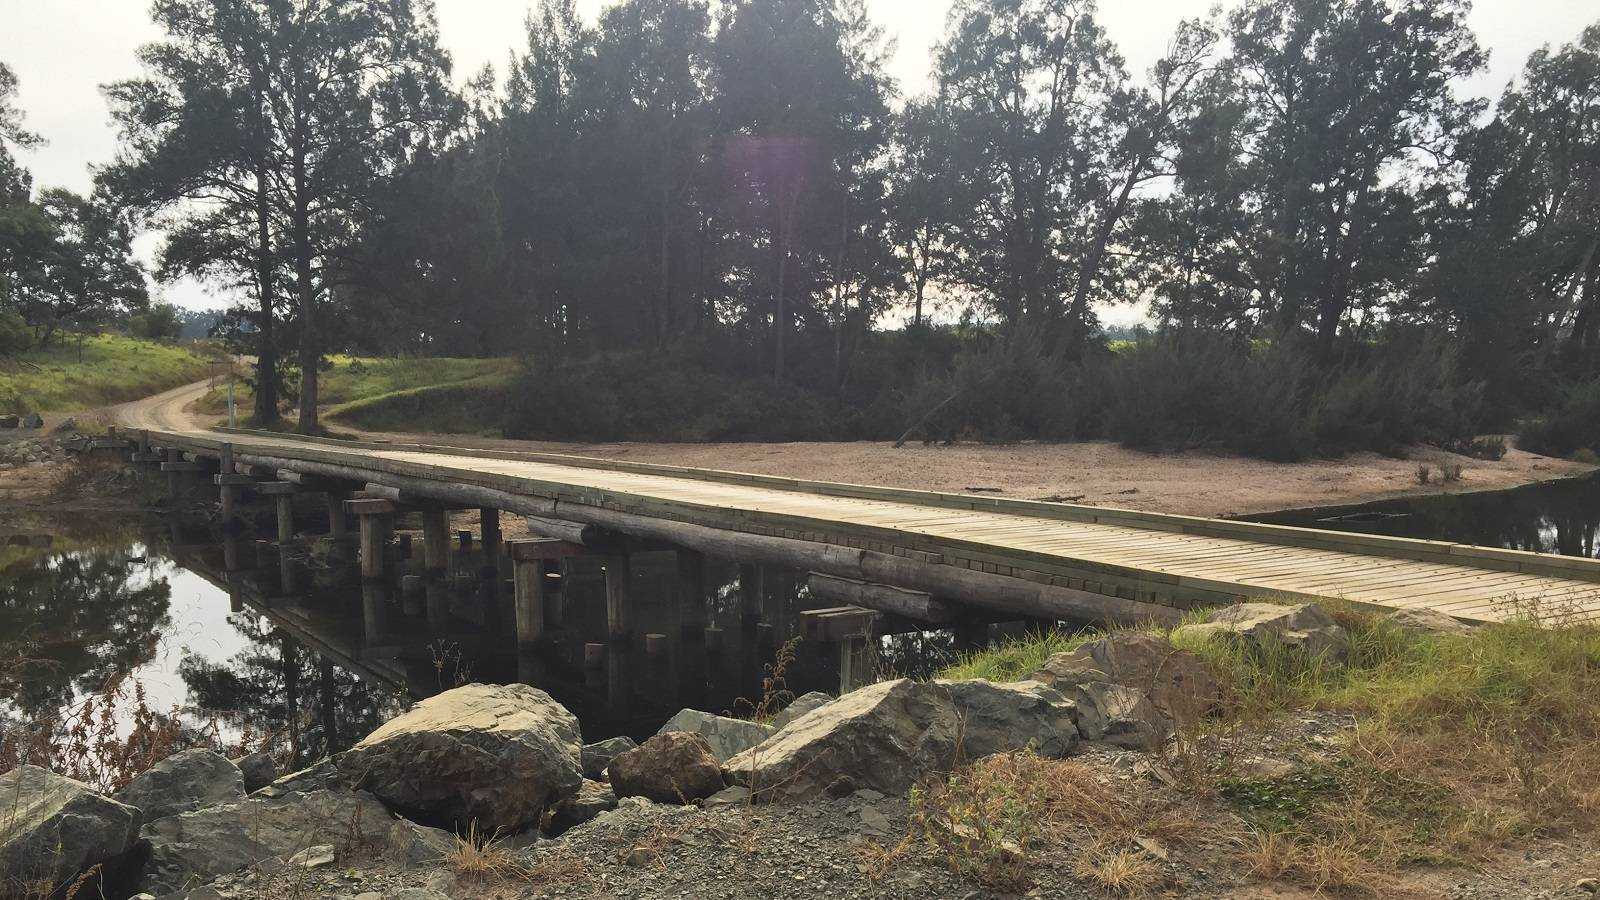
(445, 394)
(105, 369)
(1017, 658)
(1463, 743)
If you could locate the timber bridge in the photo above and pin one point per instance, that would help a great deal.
(934, 558)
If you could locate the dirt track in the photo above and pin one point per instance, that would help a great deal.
(1095, 472)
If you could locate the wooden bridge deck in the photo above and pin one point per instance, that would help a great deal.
(1170, 560)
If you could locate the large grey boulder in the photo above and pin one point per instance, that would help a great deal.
(195, 848)
(727, 737)
(497, 755)
(799, 706)
(1178, 682)
(1266, 627)
(52, 827)
(190, 780)
(592, 799)
(672, 767)
(258, 770)
(598, 755)
(1423, 621)
(883, 736)
(322, 775)
(998, 718)
(1118, 715)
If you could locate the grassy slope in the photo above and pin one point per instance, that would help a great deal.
(1463, 743)
(112, 369)
(442, 394)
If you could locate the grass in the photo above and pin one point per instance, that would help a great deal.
(1462, 744)
(1017, 658)
(109, 369)
(997, 820)
(443, 394)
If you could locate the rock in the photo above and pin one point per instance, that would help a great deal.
(1426, 621)
(1119, 715)
(883, 736)
(598, 755)
(417, 893)
(258, 770)
(52, 827)
(1178, 681)
(196, 847)
(1306, 627)
(67, 424)
(998, 718)
(727, 737)
(800, 706)
(10, 421)
(873, 819)
(192, 779)
(672, 767)
(314, 857)
(497, 755)
(33, 420)
(322, 775)
(591, 800)
(730, 796)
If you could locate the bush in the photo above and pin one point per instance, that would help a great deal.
(158, 323)
(1000, 390)
(15, 336)
(1571, 427)
(1196, 389)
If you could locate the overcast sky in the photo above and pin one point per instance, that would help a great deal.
(63, 50)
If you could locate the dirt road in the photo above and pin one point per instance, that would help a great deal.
(1092, 472)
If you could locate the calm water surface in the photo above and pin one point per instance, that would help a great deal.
(313, 667)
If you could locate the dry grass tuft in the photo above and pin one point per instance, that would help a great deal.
(1119, 870)
(997, 819)
(478, 858)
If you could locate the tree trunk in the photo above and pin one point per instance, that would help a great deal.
(310, 348)
(266, 403)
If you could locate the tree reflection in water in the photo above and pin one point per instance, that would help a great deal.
(70, 622)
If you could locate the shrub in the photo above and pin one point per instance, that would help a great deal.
(1572, 426)
(1001, 390)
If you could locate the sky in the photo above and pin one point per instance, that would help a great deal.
(63, 50)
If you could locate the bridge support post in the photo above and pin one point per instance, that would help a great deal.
(691, 591)
(174, 482)
(284, 504)
(374, 608)
(752, 584)
(436, 562)
(338, 526)
(857, 664)
(530, 598)
(618, 574)
(377, 523)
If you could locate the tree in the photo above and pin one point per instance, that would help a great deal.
(803, 108)
(1027, 95)
(357, 88)
(86, 274)
(22, 226)
(1343, 103)
(196, 145)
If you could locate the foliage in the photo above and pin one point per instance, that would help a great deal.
(158, 323)
(96, 370)
(1570, 427)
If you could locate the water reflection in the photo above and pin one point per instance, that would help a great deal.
(1562, 517)
(296, 646)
